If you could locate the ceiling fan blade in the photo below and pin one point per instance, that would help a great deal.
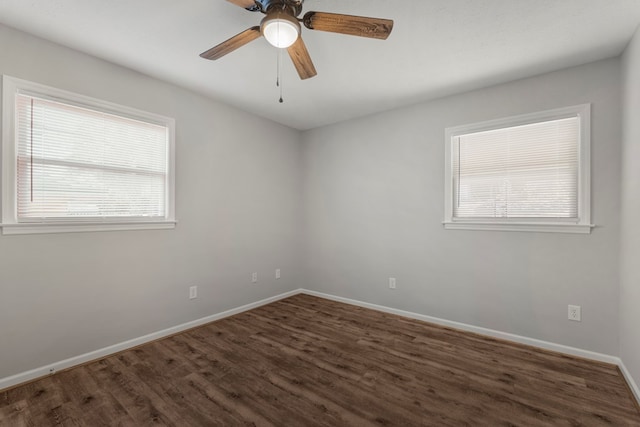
(246, 4)
(347, 24)
(301, 59)
(232, 44)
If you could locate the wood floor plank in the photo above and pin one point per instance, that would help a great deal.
(396, 385)
(15, 414)
(451, 363)
(253, 360)
(143, 403)
(307, 361)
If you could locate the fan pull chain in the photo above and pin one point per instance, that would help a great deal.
(280, 64)
(279, 76)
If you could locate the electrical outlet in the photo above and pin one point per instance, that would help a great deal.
(575, 313)
(277, 273)
(193, 292)
(254, 278)
(392, 282)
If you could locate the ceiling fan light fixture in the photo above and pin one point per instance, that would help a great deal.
(280, 30)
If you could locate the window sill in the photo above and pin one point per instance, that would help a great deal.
(521, 226)
(79, 227)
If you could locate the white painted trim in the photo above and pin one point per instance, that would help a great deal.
(476, 329)
(106, 351)
(12, 86)
(8, 157)
(614, 360)
(583, 222)
(520, 226)
(79, 227)
(632, 384)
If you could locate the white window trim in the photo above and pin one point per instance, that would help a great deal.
(10, 225)
(582, 225)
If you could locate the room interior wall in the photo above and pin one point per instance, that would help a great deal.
(374, 190)
(238, 201)
(630, 236)
(354, 204)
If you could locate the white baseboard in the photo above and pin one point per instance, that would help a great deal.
(477, 329)
(632, 384)
(614, 360)
(106, 351)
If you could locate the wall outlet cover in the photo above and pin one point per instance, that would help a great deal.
(575, 313)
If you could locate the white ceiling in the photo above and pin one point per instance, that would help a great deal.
(437, 47)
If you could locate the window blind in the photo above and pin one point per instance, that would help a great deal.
(528, 171)
(77, 163)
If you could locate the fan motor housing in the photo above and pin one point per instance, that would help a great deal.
(293, 6)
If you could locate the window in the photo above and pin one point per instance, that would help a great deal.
(73, 163)
(524, 173)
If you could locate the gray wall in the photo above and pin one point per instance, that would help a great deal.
(630, 241)
(355, 203)
(238, 200)
(374, 209)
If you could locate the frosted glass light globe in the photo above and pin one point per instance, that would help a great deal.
(281, 31)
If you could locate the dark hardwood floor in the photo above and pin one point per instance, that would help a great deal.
(306, 361)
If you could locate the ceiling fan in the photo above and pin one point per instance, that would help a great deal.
(281, 27)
